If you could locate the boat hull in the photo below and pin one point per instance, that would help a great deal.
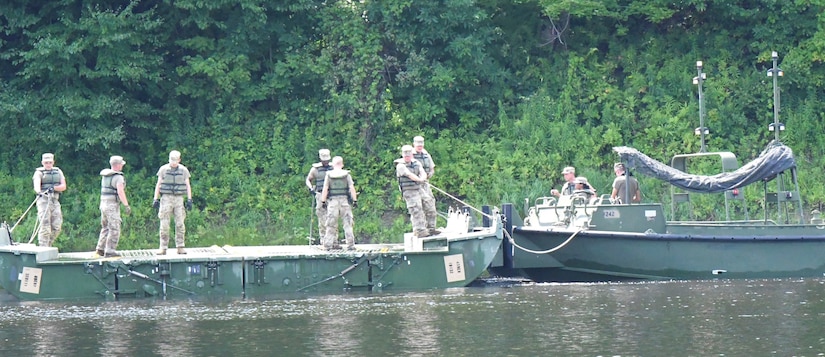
(718, 252)
(634, 242)
(30, 272)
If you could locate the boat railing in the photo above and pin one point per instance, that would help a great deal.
(544, 215)
(744, 222)
(545, 201)
(565, 209)
(604, 199)
(5, 234)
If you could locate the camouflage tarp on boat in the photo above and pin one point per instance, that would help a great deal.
(774, 159)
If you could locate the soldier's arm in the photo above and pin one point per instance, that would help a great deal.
(352, 194)
(325, 191)
(416, 178)
(422, 174)
(62, 186)
(157, 188)
(310, 179)
(432, 164)
(36, 180)
(121, 193)
(188, 189)
(402, 171)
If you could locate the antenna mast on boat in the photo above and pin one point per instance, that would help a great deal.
(782, 196)
(701, 131)
(776, 72)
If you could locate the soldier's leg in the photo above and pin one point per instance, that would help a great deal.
(114, 229)
(164, 214)
(333, 213)
(43, 214)
(104, 230)
(428, 203)
(419, 224)
(348, 222)
(180, 226)
(57, 221)
(408, 201)
(321, 213)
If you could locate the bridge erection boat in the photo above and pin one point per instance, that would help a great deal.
(578, 238)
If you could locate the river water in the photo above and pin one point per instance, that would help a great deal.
(783, 317)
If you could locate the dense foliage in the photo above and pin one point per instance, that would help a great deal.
(505, 92)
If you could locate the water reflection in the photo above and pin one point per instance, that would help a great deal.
(418, 327)
(45, 336)
(334, 330)
(759, 317)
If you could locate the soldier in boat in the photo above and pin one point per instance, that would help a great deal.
(569, 174)
(625, 186)
(427, 198)
(583, 189)
(48, 181)
(411, 175)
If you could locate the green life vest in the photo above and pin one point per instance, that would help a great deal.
(406, 183)
(424, 158)
(173, 182)
(106, 186)
(321, 173)
(338, 183)
(50, 179)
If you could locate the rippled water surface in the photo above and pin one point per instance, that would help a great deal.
(697, 318)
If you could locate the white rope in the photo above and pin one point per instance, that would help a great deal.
(513, 242)
(37, 225)
(462, 202)
(24, 215)
(39, 221)
(510, 238)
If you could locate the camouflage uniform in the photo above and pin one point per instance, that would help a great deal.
(414, 206)
(338, 207)
(173, 188)
(315, 178)
(51, 219)
(110, 220)
(411, 191)
(48, 204)
(338, 189)
(427, 198)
